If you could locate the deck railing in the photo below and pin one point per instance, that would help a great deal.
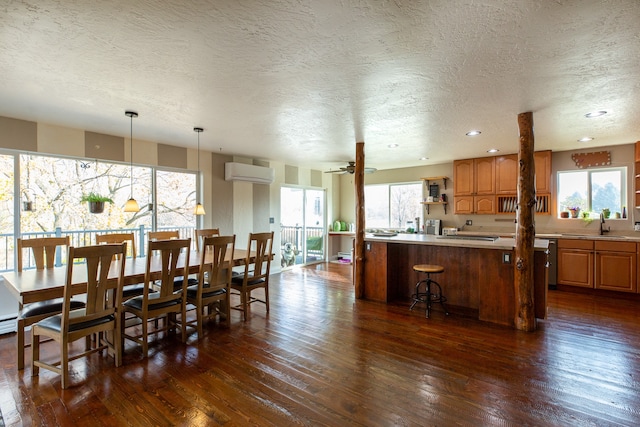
(78, 238)
(296, 235)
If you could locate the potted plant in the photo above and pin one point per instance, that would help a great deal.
(575, 211)
(606, 213)
(96, 202)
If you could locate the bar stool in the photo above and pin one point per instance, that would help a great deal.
(428, 295)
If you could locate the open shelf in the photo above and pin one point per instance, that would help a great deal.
(508, 204)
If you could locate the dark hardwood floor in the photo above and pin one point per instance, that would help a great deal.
(323, 358)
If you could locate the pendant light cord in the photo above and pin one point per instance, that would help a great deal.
(131, 115)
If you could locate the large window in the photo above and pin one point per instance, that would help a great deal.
(392, 205)
(592, 191)
(49, 192)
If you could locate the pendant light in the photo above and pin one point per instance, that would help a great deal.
(131, 205)
(199, 210)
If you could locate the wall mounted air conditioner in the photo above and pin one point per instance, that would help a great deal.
(250, 173)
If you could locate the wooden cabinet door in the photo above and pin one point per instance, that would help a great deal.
(543, 171)
(616, 266)
(507, 174)
(375, 272)
(463, 205)
(463, 177)
(575, 267)
(485, 175)
(485, 204)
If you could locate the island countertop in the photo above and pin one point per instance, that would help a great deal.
(468, 241)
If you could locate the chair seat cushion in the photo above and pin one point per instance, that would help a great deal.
(136, 302)
(192, 292)
(47, 307)
(177, 283)
(54, 323)
(130, 291)
(239, 279)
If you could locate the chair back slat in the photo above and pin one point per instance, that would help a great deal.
(43, 249)
(215, 264)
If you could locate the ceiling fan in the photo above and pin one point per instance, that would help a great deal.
(351, 168)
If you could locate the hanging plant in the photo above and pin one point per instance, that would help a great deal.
(96, 202)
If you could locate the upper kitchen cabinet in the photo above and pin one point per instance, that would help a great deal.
(474, 185)
(498, 177)
(507, 174)
(474, 176)
(507, 182)
(543, 171)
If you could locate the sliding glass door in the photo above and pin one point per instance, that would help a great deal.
(302, 227)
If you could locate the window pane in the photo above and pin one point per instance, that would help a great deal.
(606, 191)
(56, 186)
(6, 212)
(176, 199)
(405, 203)
(592, 190)
(572, 190)
(376, 206)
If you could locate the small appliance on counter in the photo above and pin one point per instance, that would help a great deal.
(449, 231)
(433, 226)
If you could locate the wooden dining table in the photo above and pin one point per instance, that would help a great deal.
(31, 286)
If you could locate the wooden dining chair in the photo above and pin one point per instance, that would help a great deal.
(205, 232)
(257, 266)
(100, 317)
(166, 302)
(129, 291)
(44, 252)
(163, 235)
(214, 280)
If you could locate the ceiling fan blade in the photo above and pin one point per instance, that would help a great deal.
(370, 170)
(338, 171)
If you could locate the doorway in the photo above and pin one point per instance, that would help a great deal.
(302, 226)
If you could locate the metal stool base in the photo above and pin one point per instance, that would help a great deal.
(427, 296)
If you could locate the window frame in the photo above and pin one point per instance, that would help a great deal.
(389, 186)
(623, 170)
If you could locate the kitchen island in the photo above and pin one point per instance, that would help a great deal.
(478, 279)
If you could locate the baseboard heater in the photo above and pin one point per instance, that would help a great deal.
(250, 173)
(8, 324)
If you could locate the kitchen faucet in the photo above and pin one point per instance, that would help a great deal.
(602, 230)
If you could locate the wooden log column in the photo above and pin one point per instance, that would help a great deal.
(358, 272)
(525, 319)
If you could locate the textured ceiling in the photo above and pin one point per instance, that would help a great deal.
(301, 81)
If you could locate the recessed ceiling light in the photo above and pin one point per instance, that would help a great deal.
(424, 158)
(473, 133)
(595, 114)
(492, 150)
(585, 139)
(393, 145)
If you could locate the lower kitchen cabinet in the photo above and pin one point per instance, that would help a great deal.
(616, 266)
(575, 262)
(607, 264)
